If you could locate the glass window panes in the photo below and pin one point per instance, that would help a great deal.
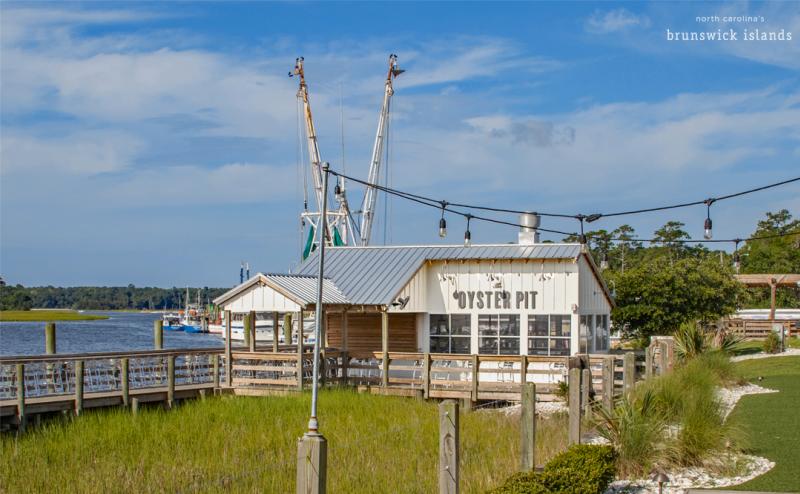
(537, 325)
(487, 325)
(509, 325)
(560, 325)
(498, 334)
(450, 333)
(549, 334)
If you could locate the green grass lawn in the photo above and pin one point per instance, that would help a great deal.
(240, 444)
(47, 315)
(773, 421)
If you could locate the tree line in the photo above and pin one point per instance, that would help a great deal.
(128, 297)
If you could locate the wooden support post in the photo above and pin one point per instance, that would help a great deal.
(476, 372)
(345, 364)
(628, 373)
(50, 338)
(126, 382)
(426, 375)
(170, 380)
(134, 405)
(246, 330)
(574, 406)
(663, 358)
(21, 420)
(78, 387)
(345, 341)
(158, 334)
(215, 363)
(312, 464)
(300, 351)
(275, 331)
(287, 329)
(448, 447)
(608, 383)
(252, 331)
(586, 390)
(523, 370)
(228, 351)
(670, 343)
(648, 362)
(773, 289)
(384, 349)
(528, 427)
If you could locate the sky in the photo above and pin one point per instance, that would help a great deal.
(157, 143)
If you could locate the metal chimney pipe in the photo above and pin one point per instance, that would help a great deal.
(528, 233)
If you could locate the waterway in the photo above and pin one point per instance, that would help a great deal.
(120, 332)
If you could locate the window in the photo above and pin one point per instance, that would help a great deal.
(549, 334)
(498, 334)
(601, 332)
(450, 333)
(583, 335)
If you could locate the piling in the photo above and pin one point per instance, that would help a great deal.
(476, 367)
(426, 375)
(21, 420)
(648, 361)
(448, 447)
(586, 390)
(50, 338)
(215, 363)
(608, 383)
(528, 427)
(384, 350)
(312, 464)
(78, 387)
(287, 328)
(158, 334)
(126, 383)
(246, 330)
(574, 406)
(170, 380)
(275, 331)
(228, 353)
(134, 405)
(628, 373)
(252, 331)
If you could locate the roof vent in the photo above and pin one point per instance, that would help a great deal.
(528, 234)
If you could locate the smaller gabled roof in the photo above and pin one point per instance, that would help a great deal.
(302, 289)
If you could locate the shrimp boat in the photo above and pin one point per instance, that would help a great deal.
(172, 322)
(264, 331)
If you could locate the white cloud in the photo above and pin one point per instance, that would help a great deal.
(614, 21)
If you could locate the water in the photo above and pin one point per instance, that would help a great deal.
(123, 331)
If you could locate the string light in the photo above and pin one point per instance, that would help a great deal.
(604, 261)
(736, 262)
(707, 233)
(467, 234)
(443, 222)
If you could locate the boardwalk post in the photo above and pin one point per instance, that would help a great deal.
(586, 391)
(648, 361)
(170, 380)
(448, 447)
(312, 464)
(662, 348)
(384, 349)
(523, 370)
(228, 352)
(126, 382)
(50, 338)
(608, 383)
(300, 351)
(246, 331)
(628, 373)
(275, 331)
(78, 387)
(21, 420)
(215, 363)
(476, 371)
(134, 405)
(158, 334)
(426, 375)
(252, 330)
(574, 406)
(528, 427)
(287, 329)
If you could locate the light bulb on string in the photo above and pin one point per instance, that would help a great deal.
(707, 226)
(736, 261)
(604, 261)
(443, 222)
(467, 234)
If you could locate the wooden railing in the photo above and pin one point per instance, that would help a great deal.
(757, 329)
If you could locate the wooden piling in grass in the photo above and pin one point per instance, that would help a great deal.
(228, 351)
(312, 464)
(78, 387)
(426, 375)
(126, 383)
(21, 420)
(50, 338)
(608, 382)
(628, 373)
(215, 363)
(448, 447)
(170, 380)
(574, 406)
(586, 389)
(528, 427)
(134, 405)
(275, 331)
(158, 334)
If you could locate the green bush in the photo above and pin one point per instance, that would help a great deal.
(772, 343)
(582, 469)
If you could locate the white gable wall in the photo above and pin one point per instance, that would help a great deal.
(261, 299)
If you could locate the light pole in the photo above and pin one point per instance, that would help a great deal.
(312, 448)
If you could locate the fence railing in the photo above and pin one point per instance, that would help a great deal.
(757, 329)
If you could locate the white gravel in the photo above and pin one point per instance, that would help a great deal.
(790, 352)
(544, 409)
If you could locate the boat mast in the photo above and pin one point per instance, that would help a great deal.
(339, 224)
(371, 194)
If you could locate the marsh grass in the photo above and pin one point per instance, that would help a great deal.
(241, 444)
(47, 316)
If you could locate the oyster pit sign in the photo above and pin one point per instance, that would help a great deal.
(495, 299)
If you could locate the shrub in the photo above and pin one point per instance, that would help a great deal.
(582, 469)
(772, 343)
(690, 341)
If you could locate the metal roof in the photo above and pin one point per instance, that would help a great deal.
(374, 275)
(305, 288)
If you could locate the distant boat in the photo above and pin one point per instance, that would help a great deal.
(172, 322)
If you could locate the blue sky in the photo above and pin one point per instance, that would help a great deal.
(156, 143)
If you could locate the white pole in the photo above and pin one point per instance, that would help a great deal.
(313, 424)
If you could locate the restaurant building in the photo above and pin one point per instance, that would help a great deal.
(527, 298)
